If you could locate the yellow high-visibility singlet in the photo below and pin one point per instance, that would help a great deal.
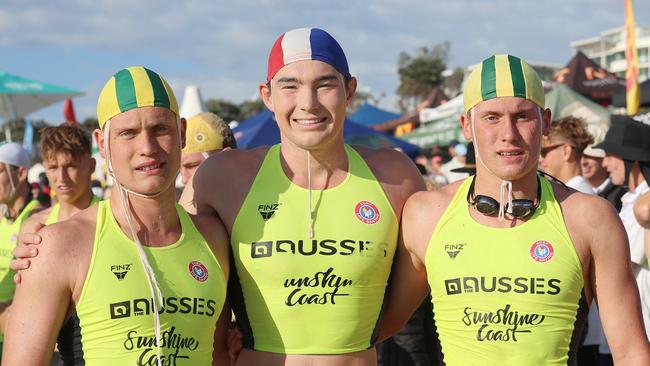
(53, 217)
(113, 321)
(506, 296)
(320, 295)
(8, 240)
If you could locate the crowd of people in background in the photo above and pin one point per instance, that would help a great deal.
(547, 178)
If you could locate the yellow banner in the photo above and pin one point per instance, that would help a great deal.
(632, 73)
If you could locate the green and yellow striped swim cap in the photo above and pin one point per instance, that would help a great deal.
(134, 87)
(502, 76)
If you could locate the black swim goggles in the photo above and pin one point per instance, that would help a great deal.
(488, 206)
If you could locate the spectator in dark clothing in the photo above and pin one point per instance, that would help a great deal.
(414, 345)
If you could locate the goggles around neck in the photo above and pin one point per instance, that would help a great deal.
(488, 206)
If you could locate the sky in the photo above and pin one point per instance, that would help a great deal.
(223, 46)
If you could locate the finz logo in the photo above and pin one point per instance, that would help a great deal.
(120, 310)
(120, 270)
(198, 271)
(366, 212)
(267, 211)
(541, 251)
(261, 249)
(453, 250)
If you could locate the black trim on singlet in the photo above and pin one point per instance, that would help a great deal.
(70, 343)
(238, 305)
(579, 328)
(436, 347)
(375, 331)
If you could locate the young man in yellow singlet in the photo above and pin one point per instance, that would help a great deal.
(512, 258)
(130, 280)
(68, 165)
(313, 222)
(309, 210)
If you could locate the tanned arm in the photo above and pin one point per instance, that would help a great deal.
(613, 283)
(33, 325)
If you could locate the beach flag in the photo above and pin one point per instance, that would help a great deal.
(632, 73)
(28, 136)
(68, 111)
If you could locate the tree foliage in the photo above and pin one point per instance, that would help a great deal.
(230, 111)
(227, 110)
(420, 73)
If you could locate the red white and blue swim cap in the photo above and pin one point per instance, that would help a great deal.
(306, 44)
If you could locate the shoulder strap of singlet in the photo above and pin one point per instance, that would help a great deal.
(54, 215)
(357, 164)
(187, 225)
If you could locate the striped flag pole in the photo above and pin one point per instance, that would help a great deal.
(632, 73)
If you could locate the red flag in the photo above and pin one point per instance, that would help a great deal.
(68, 111)
(632, 74)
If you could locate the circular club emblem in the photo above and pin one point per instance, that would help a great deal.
(367, 212)
(541, 251)
(198, 271)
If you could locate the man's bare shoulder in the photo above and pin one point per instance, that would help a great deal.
(36, 218)
(233, 161)
(432, 203)
(422, 213)
(583, 209)
(395, 172)
(386, 162)
(79, 230)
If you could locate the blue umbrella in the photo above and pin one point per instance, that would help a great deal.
(261, 130)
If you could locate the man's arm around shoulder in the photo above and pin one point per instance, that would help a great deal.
(409, 279)
(43, 298)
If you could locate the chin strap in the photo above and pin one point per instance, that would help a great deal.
(154, 288)
(506, 184)
(310, 231)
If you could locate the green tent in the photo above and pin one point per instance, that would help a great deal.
(564, 101)
(436, 132)
(20, 96)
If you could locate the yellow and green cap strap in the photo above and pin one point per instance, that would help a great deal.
(502, 76)
(134, 87)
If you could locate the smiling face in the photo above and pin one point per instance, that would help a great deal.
(592, 169)
(144, 149)
(616, 168)
(508, 135)
(309, 99)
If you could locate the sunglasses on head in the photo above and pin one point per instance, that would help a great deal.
(488, 206)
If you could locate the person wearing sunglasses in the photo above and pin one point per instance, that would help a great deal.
(512, 258)
(562, 150)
